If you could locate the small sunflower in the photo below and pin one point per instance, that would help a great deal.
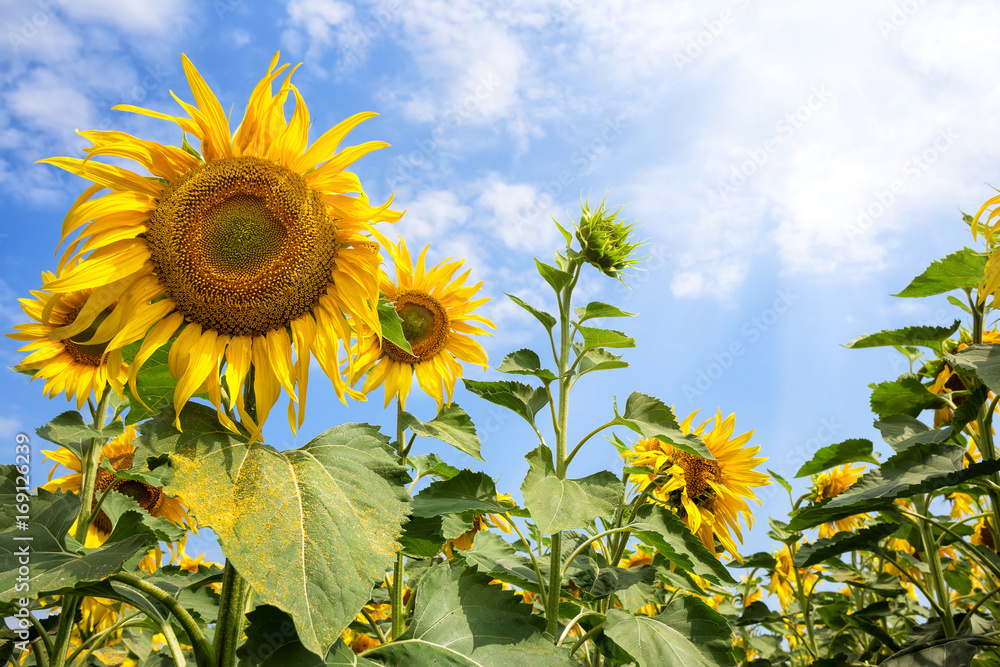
(833, 483)
(783, 578)
(74, 366)
(481, 522)
(708, 495)
(238, 256)
(962, 505)
(437, 322)
(118, 453)
(947, 381)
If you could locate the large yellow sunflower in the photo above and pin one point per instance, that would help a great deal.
(72, 365)
(119, 453)
(243, 253)
(437, 322)
(708, 495)
(832, 483)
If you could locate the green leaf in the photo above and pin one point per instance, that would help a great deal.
(515, 396)
(392, 326)
(273, 642)
(422, 537)
(329, 512)
(919, 336)
(613, 579)
(460, 619)
(961, 304)
(548, 321)
(465, 492)
(431, 464)
(863, 539)
(705, 627)
(651, 418)
(598, 309)
(69, 430)
(558, 504)
(658, 527)
(982, 360)
(959, 270)
(598, 360)
(907, 395)
(761, 559)
(780, 480)
(903, 431)
(154, 385)
(452, 425)
(554, 277)
(525, 362)
(911, 471)
(653, 643)
(600, 338)
(954, 652)
(53, 565)
(491, 553)
(848, 451)
(565, 233)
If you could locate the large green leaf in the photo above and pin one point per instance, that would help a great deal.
(548, 321)
(902, 431)
(328, 512)
(558, 504)
(272, 641)
(954, 652)
(613, 579)
(982, 360)
(653, 643)
(70, 431)
(452, 425)
(705, 627)
(919, 336)
(848, 451)
(959, 270)
(651, 418)
(53, 565)
(467, 491)
(525, 362)
(460, 619)
(598, 309)
(658, 527)
(864, 539)
(516, 396)
(600, 338)
(490, 553)
(907, 395)
(911, 471)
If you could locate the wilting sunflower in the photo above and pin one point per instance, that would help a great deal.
(833, 483)
(73, 366)
(119, 453)
(783, 578)
(708, 495)
(437, 322)
(238, 255)
(947, 381)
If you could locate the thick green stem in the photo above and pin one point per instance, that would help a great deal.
(399, 572)
(933, 560)
(804, 604)
(232, 616)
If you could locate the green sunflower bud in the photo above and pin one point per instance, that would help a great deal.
(605, 242)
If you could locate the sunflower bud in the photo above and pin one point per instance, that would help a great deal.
(605, 242)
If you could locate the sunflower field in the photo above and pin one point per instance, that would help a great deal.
(187, 303)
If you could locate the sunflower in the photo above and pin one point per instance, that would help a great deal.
(481, 522)
(783, 578)
(118, 453)
(962, 505)
(833, 483)
(947, 381)
(74, 366)
(437, 322)
(708, 495)
(237, 255)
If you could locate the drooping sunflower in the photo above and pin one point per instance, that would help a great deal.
(238, 255)
(437, 323)
(118, 452)
(833, 483)
(73, 366)
(783, 578)
(708, 495)
(947, 381)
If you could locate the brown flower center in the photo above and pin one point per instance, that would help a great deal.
(242, 246)
(148, 497)
(425, 327)
(697, 472)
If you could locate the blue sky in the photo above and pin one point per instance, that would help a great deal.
(791, 165)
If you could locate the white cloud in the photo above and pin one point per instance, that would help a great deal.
(315, 26)
(9, 427)
(518, 214)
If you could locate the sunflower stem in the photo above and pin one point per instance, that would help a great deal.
(933, 560)
(565, 299)
(231, 619)
(88, 482)
(398, 573)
